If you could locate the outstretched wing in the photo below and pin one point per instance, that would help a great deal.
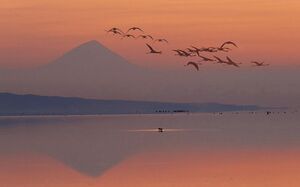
(256, 63)
(193, 64)
(228, 43)
(150, 47)
(218, 59)
(165, 40)
(150, 37)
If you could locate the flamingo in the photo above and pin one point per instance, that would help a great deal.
(134, 28)
(259, 63)
(153, 51)
(228, 43)
(115, 32)
(145, 36)
(128, 36)
(210, 49)
(206, 59)
(194, 51)
(114, 29)
(161, 40)
(219, 60)
(231, 62)
(193, 64)
(182, 53)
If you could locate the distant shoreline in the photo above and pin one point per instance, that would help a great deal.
(35, 105)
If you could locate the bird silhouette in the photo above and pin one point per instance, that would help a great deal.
(194, 51)
(128, 36)
(231, 62)
(210, 49)
(206, 59)
(115, 30)
(161, 40)
(182, 53)
(153, 51)
(219, 60)
(228, 43)
(145, 37)
(198, 49)
(259, 63)
(134, 28)
(224, 49)
(191, 63)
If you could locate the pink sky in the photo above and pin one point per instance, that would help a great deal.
(36, 32)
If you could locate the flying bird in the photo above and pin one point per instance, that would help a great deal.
(196, 65)
(219, 60)
(224, 49)
(231, 62)
(228, 43)
(194, 51)
(128, 36)
(182, 53)
(205, 59)
(145, 37)
(259, 63)
(134, 28)
(115, 30)
(211, 49)
(161, 40)
(153, 51)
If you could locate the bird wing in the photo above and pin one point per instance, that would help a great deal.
(150, 47)
(194, 64)
(227, 43)
(229, 59)
(150, 37)
(218, 59)
(137, 28)
(204, 58)
(254, 62)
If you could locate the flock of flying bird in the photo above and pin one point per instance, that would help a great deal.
(191, 51)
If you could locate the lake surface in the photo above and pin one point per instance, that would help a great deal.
(233, 149)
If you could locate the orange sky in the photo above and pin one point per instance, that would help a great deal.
(37, 31)
(161, 169)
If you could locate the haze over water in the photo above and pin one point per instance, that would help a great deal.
(195, 150)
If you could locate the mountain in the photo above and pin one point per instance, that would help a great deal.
(89, 70)
(13, 104)
(89, 58)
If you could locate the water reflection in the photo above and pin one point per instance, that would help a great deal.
(93, 145)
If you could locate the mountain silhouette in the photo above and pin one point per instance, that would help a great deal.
(90, 57)
(89, 70)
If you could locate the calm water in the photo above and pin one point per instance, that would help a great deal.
(196, 149)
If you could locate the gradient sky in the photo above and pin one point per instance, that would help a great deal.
(36, 32)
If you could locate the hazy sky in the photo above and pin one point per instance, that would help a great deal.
(37, 31)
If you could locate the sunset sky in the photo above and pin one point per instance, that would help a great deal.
(35, 32)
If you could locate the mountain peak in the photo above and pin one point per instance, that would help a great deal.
(91, 52)
(92, 45)
(90, 56)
